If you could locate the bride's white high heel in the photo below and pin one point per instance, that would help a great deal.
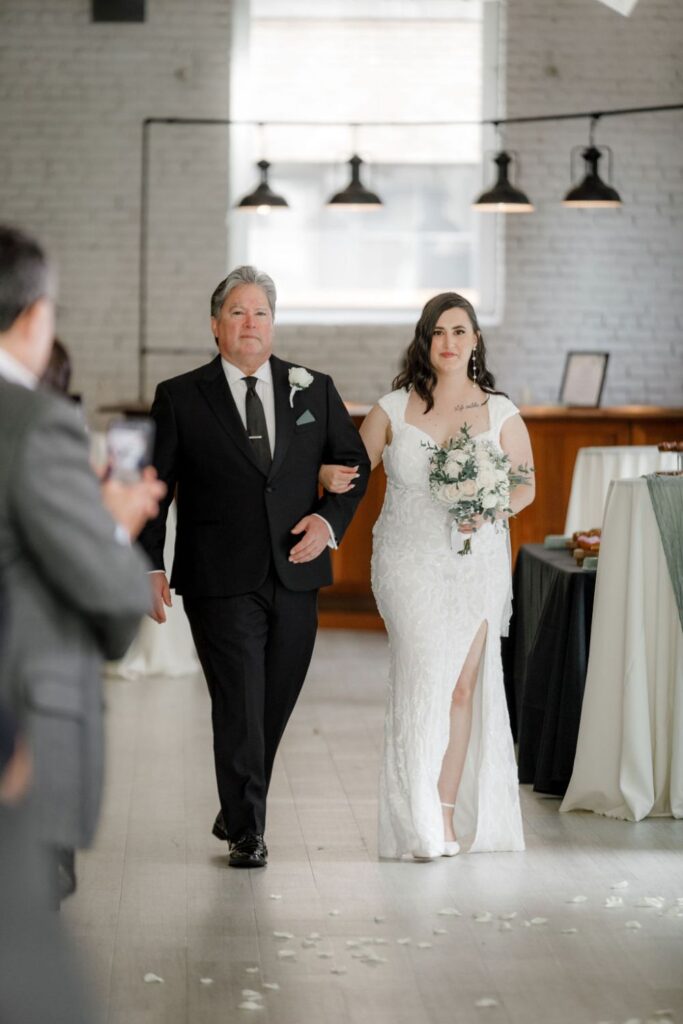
(451, 848)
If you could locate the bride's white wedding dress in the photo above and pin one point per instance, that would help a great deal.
(433, 602)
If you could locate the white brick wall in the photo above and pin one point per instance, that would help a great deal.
(72, 99)
(73, 96)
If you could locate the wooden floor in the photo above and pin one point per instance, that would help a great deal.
(375, 942)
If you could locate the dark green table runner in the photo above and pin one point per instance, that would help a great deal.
(666, 494)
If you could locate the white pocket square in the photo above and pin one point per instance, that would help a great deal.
(306, 417)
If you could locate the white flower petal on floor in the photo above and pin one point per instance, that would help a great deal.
(449, 912)
(282, 935)
(373, 960)
(252, 970)
(206, 981)
(483, 917)
(272, 985)
(314, 935)
(404, 942)
(486, 1002)
(634, 924)
(339, 970)
(286, 954)
(381, 942)
(379, 919)
(439, 931)
(651, 901)
(424, 945)
(508, 917)
(619, 885)
(569, 931)
(308, 944)
(539, 920)
(505, 926)
(275, 896)
(153, 979)
(333, 913)
(577, 899)
(612, 902)
(249, 1004)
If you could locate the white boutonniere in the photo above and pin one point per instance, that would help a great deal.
(299, 380)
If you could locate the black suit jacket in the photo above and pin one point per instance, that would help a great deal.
(232, 518)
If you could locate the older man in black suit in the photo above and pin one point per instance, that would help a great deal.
(240, 441)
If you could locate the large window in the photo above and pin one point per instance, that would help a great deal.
(341, 65)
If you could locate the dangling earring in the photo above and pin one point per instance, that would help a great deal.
(474, 368)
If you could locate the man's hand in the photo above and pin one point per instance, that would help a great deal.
(161, 595)
(15, 780)
(314, 540)
(131, 505)
(338, 479)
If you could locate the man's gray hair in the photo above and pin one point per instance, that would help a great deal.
(25, 275)
(238, 276)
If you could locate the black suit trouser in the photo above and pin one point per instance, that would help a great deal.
(255, 650)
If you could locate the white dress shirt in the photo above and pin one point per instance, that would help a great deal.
(15, 372)
(264, 389)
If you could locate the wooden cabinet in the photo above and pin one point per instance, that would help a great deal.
(556, 436)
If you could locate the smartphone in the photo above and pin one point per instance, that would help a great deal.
(130, 445)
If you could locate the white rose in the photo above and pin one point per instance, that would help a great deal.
(487, 478)
(455, 461)
(501, 476)
(468, 488)
(449, 494)
(299, 377)
(490, 500)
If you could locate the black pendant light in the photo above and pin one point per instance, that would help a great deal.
(262, 199)
(355, 196)
(503, 197)
(593, 192)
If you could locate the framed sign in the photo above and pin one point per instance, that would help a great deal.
(583, 378)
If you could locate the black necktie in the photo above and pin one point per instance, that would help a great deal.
(256, 426)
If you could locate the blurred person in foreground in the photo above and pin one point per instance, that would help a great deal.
(39, 976)
(76, 587)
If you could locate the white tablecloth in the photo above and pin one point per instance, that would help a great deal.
(165, 649)
(594, 470)
(629, 757)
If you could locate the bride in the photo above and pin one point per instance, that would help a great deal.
(448, 779)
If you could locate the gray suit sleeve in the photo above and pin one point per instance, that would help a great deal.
(55, 499)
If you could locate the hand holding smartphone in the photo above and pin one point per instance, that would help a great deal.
(130, 445)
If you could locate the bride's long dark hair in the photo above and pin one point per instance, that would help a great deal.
(417, 371)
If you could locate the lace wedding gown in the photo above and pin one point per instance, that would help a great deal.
(433, 602)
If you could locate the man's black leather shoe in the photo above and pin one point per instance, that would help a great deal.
(249, 851)
(219, 830)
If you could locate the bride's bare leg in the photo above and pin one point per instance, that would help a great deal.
(460, 729)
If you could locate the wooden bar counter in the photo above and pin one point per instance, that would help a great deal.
(556, 433)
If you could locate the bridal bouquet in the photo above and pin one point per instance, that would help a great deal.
(473, 478)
